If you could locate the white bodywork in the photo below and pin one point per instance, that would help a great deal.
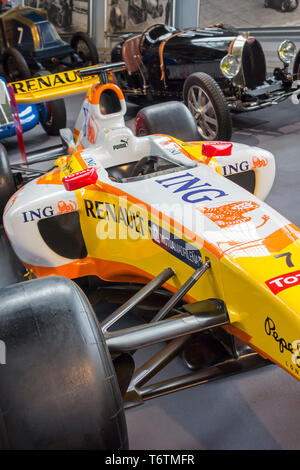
(115, 144)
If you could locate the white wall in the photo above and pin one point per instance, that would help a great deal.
(186, 13)
(186, 16)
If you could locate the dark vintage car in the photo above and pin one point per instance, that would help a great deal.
(215, 71)
(30, 44)
(282, 5)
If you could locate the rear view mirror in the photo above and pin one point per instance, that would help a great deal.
(80, 179)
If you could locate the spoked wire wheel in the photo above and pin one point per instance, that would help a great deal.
(289, 5)
(85, 48)
(56, 117)
(203, 111)
(207, 103)
(15, 66)
(83, 51)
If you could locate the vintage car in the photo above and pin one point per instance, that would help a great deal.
(156, 218)
(282, 5)
(214, 70)
(31, 44)
(17, 119)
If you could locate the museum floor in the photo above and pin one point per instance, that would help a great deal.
(256, 410)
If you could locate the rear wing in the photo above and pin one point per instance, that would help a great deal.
(63, 84)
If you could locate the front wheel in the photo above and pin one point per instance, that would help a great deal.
(58, 389)
(15, 66)
(205, 100)
(82, 44)
(296, 68)
(7, 186)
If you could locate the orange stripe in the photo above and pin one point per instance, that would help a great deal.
(79, 158)
(185, 152)
(233, 330)
(246, 338)
(97, 91)
(283, 237)
(274, 242)
(54, 177)
(230, 47)
(111, 271)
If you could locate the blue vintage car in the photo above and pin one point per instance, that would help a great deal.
(52, 115)
(30, 44)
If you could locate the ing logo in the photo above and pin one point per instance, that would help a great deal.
(2, 353)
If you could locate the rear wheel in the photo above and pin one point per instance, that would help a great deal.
(289, 5)
(7, 186)
(85, 48)
(53, 114)
(296, 69)
(15, 66)
(58, 389)
(54, 117)
(172, 118)
(205, 100)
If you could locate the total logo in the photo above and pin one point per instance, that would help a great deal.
(280, 283)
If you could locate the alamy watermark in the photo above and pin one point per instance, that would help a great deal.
(2, 353)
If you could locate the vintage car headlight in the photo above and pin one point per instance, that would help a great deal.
(287, 52)
(229, 66)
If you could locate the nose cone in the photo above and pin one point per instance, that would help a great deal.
(262, 296)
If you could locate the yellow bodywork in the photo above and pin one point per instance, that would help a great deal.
(53, 86)
(261, 291)
(267, 322)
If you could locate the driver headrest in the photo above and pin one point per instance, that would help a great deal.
(110, 99)
(109, 102)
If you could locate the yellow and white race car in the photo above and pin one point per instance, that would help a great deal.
(183, 220)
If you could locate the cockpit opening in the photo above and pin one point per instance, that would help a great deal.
(109, 102)
(147, 167)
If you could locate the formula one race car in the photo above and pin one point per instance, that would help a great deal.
(31, 44)
(152, 216)
(214, 70)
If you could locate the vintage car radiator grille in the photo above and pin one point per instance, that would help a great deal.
(254, 64)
